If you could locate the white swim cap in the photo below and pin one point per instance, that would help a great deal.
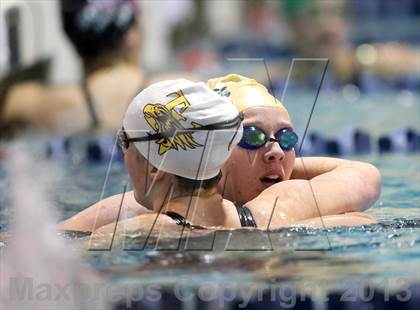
(208, 127)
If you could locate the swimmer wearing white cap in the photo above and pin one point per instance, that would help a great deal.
(185, 132)
(176, 137)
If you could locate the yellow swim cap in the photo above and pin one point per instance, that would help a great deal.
(244, 92)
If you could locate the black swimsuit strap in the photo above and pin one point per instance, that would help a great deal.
(90, 106)
(180, 220)
(74, 233)
(246, 217)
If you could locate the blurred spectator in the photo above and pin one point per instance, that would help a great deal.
(106, 35)
(321, 30)
(159, 19)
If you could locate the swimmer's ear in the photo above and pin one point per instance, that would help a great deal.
(157, 174)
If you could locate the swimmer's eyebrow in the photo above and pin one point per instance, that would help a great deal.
(261, 124)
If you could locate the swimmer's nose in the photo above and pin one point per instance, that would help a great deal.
(274, 153)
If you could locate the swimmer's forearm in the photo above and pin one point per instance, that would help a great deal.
(357, 182)
(349, 188)
(104, 212)
(307, 168)
(348, 219)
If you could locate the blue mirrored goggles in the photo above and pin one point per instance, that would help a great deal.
(253, 138)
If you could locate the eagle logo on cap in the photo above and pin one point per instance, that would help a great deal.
(164, 119)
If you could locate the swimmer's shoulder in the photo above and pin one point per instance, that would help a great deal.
(66, 105)
(15, 105)
(105, 212)
(45, 106)
(149, 224)
(126, 201)
(232, 218)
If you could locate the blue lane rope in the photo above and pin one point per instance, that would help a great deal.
(351, 141)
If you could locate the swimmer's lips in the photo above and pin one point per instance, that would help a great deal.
(272, 178)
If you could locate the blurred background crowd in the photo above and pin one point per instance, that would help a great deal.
(74, 65)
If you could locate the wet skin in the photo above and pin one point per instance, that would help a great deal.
(248, 172)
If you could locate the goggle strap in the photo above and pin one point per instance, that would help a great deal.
(217, 126)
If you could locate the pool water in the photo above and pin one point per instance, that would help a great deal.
(382, 255)
(316, 261)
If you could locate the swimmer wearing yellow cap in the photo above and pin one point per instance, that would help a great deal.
(265, 119)
(244, 92)
(263, 172)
